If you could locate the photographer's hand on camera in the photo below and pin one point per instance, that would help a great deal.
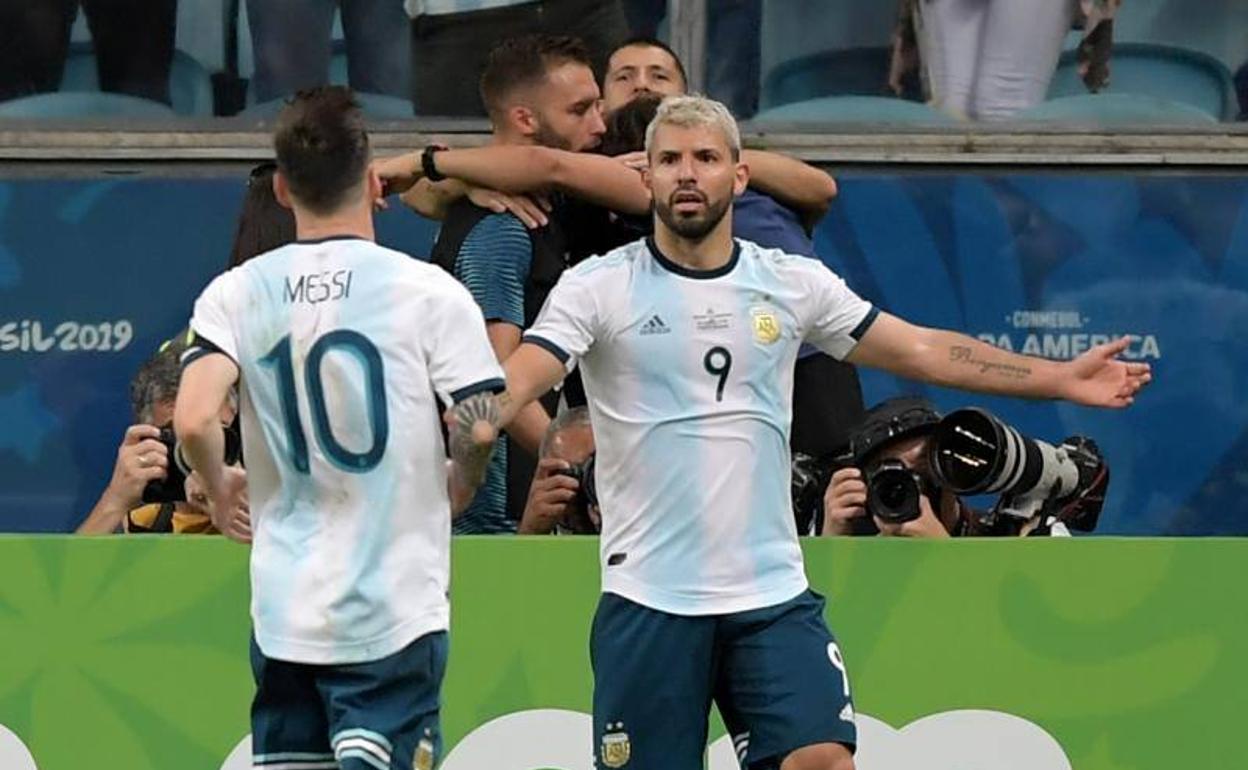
(926, 525)
(550, 497)
(141, 458)
(844, 501)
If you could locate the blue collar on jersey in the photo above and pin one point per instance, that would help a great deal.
(671, 266)
(326, 239)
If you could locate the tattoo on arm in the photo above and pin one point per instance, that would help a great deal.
(470, 455)
(961, 354)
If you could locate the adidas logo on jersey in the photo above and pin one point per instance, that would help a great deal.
(655, 326)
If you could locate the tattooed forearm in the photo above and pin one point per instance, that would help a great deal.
(473, 427)
(961, 354)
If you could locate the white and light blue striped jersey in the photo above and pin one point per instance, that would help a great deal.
(690, 376)
(343, 347)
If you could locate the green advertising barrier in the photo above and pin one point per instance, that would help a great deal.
(1092, 654)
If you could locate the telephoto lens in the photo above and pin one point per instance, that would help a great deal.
(973, 453)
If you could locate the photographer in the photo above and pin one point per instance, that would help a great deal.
(889, 486)
(561, 495)
(147, 491)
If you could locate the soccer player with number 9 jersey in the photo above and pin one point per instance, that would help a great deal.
(687, 343)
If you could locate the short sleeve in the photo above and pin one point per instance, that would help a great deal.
(838, 318)
(494, 263)
(461, 362)
(211, 319)
(568, 323)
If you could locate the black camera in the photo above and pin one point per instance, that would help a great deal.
(172, 488)
(973, 452)
(893, 491)
(807, 481)
(578, 521)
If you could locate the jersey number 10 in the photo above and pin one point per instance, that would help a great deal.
(370, 358)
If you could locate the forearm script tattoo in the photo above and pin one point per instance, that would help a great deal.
(960, 354)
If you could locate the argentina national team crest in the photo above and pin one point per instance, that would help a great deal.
(423, 758)
(766, 324)
(616, 749)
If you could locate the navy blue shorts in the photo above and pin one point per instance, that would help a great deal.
(776, 674)
(379, 715)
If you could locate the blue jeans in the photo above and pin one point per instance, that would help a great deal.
(292, 47)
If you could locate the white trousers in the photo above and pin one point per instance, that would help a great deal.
(988, 59)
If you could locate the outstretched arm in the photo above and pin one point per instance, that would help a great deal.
(1096, 378)
(800, 186)
(531, 371)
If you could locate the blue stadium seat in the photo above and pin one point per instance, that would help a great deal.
(1117, 110)
(190, 85)
(854, 109)
(375, 106)
(85, 104)
(846, 72)
(1161, 71)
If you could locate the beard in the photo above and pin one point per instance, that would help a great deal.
(692, 227)
(545, 137)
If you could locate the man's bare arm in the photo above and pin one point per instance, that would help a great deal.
(798, 185)
(204, 387)
(951, 359)
(531, 372)
(594, 178)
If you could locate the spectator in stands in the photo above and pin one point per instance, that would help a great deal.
(450, 40)
(135, 499)
(733, 47)
(990, 59)
(292, 46)
(133, 41)
(557, 498)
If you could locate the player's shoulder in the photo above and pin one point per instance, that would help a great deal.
(611, 266)
(782, 265)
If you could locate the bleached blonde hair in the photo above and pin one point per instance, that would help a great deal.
(696, 110)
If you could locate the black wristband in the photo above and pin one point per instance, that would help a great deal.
(427, 165)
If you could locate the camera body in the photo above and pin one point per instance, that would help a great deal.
(172, 488)
(578, 521)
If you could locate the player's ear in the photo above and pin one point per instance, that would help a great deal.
(523, 119)
(281, 190)
(742, 180)
(372, 181)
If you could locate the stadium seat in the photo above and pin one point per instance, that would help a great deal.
(854, 109)
(846, 72)
(1164, 72)
(190, 85)
(375, 106)
(1117, 110)
(84, 105)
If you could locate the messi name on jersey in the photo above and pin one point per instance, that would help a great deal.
(311, 288)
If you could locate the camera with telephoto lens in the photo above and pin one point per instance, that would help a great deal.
(972, 452)
(172, 488)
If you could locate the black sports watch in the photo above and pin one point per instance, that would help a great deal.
(427, 164)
